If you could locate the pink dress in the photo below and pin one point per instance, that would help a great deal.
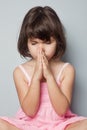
(46, 118)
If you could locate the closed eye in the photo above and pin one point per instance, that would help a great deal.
(48, 42)
(34, 43)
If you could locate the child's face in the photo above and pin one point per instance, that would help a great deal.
(48, 47)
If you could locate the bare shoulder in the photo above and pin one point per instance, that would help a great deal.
(18, 72)
(68, 74)
(69, 69)
(67, 79)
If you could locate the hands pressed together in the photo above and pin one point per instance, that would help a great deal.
(42, 68)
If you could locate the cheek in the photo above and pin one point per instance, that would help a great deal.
(33, 51)
(50, 52)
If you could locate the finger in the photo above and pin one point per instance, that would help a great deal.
(43, 63)
(40, 59)
(38, 55)
(45, 59)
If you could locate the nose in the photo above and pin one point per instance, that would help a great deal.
(41, 46)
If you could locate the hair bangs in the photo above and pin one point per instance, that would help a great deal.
(40, 28)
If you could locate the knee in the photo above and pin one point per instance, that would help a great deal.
(3, 125)
(84, 124)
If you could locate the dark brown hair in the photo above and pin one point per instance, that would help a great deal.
(43, 23)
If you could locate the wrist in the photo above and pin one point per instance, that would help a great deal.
(50, 78)
(35, 83)
(35, 79)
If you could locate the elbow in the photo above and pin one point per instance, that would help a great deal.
(29, 111)
(63, 110)
(32, 115)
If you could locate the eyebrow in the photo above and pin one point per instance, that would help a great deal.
(33, 41)
(37, 41)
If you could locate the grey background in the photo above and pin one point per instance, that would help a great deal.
(73, 14)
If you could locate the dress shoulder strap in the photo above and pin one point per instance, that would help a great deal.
(25, 72)
(61, 70)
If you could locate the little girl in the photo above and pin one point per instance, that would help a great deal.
(44, 84)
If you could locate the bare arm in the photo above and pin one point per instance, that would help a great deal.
(29, 96)
(30, 103)
(61, 96)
